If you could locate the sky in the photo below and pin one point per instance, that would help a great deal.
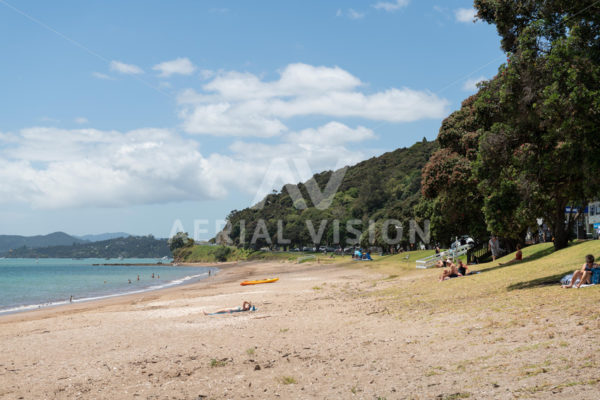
(150, 116)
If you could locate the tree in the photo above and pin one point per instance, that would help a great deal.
(540, 152)
(452, 200)
(180, 240)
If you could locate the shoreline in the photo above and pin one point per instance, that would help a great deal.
(82, 305)
(174, 284)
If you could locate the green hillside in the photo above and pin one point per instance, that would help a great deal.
(384, 187)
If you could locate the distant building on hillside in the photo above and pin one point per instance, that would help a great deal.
(593, 219)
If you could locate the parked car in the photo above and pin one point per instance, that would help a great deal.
(463, 240)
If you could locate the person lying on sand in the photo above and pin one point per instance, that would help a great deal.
(245, 307)
(584, 274)
(450, 272)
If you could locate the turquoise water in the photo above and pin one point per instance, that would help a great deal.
(27, 284)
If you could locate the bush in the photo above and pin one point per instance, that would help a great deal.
(221, 253)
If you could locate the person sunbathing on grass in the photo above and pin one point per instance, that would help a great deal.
(518, 257)
(462, 269)
(450, 272)
(245, 307)
(584, 274)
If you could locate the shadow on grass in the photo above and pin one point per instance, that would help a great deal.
(539, 282)
(532, 257)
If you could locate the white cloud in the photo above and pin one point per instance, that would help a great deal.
(350, 13)
(391, 6)
(81, 120)
(353, 14)
(123, 68)
(333, 133)
(242, 104)
(54, 168)
(182, 66)
(470, 84)
(465, 15)
(226, 119)
(99, 75)
(319, 149)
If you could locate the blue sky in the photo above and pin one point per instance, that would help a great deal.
(138, 116)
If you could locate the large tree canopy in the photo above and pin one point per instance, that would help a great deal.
(533, 127)
(542, 153)
(455, 204)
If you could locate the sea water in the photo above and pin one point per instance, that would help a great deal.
(27, 284)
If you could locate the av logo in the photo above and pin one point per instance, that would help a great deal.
(281, 172)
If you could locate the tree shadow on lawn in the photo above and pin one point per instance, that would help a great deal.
(539, 282)
(535, 256)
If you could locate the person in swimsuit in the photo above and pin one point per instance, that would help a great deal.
(518, 257)
(462, 269)
(450, 272)
(245, 307)
(519, 253)
(584, 274)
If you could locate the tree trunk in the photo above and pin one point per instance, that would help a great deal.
(561, 230)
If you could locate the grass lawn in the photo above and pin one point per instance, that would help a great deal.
(509, 326)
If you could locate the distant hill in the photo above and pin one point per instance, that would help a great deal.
(380, 188)
(8, 242)
(103, 236)
(129, 247)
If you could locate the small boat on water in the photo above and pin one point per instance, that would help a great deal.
(270, 280)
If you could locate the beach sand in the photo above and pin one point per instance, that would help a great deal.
(321, 331)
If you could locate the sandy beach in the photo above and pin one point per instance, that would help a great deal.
(321, 331)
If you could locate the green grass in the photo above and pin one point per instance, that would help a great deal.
(250, 351)
(498, 288)
(214, 363)
(287, 380)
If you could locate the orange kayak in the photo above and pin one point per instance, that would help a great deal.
(245, 283)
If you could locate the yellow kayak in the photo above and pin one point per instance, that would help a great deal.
(260, 281)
